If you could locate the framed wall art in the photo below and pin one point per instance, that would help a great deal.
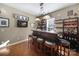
(22, 21)
(70, 13)
(4, 22)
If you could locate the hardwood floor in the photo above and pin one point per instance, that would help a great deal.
(23, 49)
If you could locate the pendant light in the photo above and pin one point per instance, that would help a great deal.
(46, 17)
(37, 19)
(42, 13)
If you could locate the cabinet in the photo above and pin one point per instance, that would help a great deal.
(59, 25)
(42, 24)
(71, 32)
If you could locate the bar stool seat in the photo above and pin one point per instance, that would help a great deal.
(49, 43)
(40, 40)
(34, 38)
(65, 42)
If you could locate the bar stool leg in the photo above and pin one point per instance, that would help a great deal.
(52, 51)
(69, 51)
(28, 43)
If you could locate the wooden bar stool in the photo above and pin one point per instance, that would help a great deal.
(40, 43)
(64, 48)
(30, 41)
(49, 48)
(34, 43)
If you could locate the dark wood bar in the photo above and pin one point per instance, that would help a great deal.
(52, 37)
(57, 48)
(48, 42)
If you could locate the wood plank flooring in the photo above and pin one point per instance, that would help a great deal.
(23, 49)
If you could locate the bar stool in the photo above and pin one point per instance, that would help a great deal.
(64, 48)
(34, 40)
(49, 48)
(40, 42)
(40, 45)
(30, 41)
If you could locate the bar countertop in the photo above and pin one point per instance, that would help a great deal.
(45, 31)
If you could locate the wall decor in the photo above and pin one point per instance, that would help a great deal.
(70, 13)
(22, 21)
(75, 14)
(4, 22)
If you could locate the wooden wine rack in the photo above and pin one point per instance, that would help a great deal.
(71, 32)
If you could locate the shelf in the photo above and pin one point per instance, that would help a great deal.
(60, 27)
(70, 31)
(42, 24)
(69, 27)
(58, 22)
(70, 20)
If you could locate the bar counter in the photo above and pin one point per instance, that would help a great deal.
(52, 37)
(46, 35)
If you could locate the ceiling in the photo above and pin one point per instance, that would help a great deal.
(34, 8)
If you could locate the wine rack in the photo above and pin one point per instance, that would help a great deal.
(71, 32)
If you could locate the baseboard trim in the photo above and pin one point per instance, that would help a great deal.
(17, 42)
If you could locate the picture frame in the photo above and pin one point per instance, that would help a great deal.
(70, 13)
(4, 22)
(21, 23)
(20, 17)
